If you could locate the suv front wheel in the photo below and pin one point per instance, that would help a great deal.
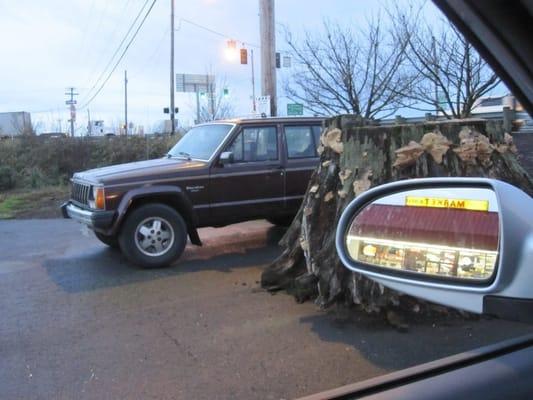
(153, 235)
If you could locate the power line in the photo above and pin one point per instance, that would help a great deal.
(225, 36)
(205, 28)
(121, 56)
(118, 48)
(110, 41)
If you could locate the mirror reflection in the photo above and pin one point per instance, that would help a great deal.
(444, 232)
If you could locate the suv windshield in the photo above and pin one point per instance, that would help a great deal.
(201, 141)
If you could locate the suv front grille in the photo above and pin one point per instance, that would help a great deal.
(80, 192)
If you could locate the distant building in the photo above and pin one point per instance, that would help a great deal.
(15, 124)
(496, 104)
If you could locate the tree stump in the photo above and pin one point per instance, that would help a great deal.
(355, 157)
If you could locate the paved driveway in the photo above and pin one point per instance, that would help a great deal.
(78, 322)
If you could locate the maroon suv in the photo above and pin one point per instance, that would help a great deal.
(218, 174)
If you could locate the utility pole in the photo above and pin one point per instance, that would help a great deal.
(253, 80)
(197, 91)
(268, 52)
(126, 102)
(89, 127)
(172, 88)
(72, 103)
(211, 97)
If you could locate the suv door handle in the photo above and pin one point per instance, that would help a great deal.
(278, 168)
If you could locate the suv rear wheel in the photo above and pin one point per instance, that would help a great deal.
(153, 235)
(111, 241)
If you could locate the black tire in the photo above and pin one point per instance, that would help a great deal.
(111, 241)
(136, 246)
(284, 221)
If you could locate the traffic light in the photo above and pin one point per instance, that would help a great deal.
(244, 56)
(225, 92)
(278, 60)
(232, 44)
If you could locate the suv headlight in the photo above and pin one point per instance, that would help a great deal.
(97, 198)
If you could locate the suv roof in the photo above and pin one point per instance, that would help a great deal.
(271, 119)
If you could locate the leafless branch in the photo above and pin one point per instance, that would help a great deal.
(360, 72)
(453, 76)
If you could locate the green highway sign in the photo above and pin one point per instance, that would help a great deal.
(295, 109)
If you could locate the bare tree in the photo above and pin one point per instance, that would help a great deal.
(216, 107)
(359, 72)
(452, 74)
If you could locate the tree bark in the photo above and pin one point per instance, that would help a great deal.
(356, 157)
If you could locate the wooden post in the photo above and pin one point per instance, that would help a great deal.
(268, 52)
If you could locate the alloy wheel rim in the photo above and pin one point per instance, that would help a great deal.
(154, 236)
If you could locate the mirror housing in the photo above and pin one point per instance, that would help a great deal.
(226, 157)
(507, 294)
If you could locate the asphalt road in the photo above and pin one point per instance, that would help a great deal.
(78, 322)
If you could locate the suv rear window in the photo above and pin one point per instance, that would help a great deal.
(302, 141)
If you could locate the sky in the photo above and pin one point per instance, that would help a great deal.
(48, 46)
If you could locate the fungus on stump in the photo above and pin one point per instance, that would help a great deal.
(356, 157)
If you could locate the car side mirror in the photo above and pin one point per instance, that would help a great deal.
(461, 242)
(226, 157)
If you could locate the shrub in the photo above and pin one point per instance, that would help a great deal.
(33, 161)
(7, 178)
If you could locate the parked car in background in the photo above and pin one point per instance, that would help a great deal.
(219, 173)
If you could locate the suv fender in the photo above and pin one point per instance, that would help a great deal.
(174, 197)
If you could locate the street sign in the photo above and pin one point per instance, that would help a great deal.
(263, 105)
(295, 109)
(193, 83)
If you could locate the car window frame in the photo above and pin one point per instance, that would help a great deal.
(240, 131)
(310, 125)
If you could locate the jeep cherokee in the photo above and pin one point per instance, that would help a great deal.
(219, 173)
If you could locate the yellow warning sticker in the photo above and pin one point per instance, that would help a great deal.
(439, 202)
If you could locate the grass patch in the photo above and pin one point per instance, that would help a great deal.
(33, 203)
(10, 206)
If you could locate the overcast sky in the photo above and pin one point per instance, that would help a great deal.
(50, 45)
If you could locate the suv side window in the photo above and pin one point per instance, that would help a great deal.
(255, 144)
(301, 141)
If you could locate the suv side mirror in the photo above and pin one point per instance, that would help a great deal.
(226, 157)
(461, 242)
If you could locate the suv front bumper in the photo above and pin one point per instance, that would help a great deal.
(96, 220)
